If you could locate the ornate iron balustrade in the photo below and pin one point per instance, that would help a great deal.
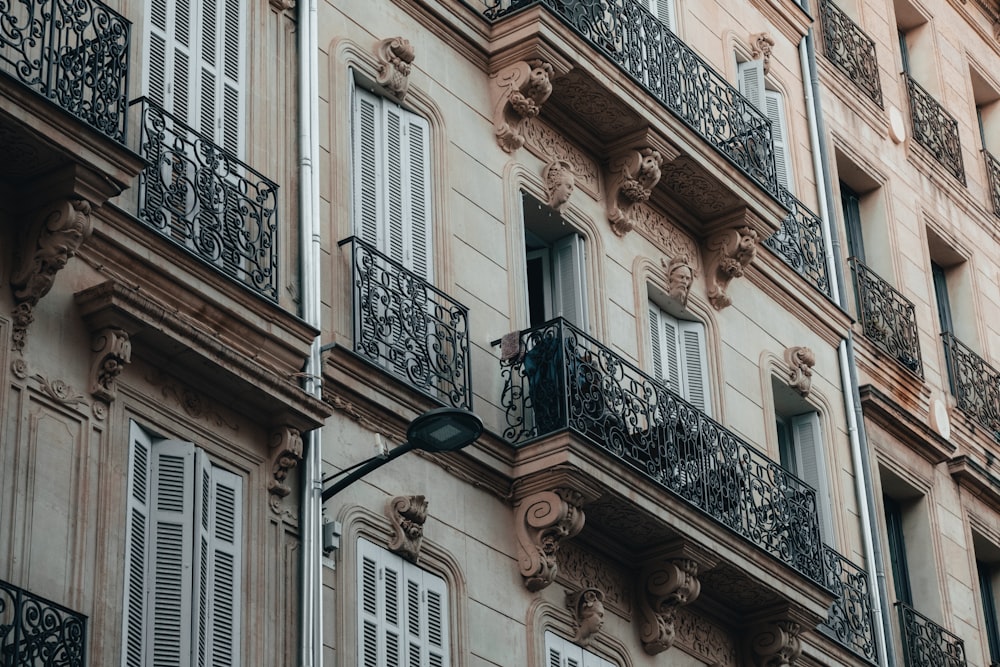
(927, 644)
(851, 50)
(668, 69)
(993, 173)
(73, 53)
(564, 379)
(935, 129)
(409, 327)
(800, 244)
(888, 318)
(974, 382)
(36, 631)
(851, 620)
(208, 202)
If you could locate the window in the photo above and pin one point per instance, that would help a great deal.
(986, 573)
(897, 550)
(917, 53)
(987, 101)
(402, 612)
(678, 354)
(392, 192)
(850, 202)
(753, 86)
(560, 652)
(196, 61)
(555, 272)
(666, 11)
(183, 560)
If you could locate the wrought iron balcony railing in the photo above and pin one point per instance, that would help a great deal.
(73, 53)
(35, 631)
(993, 173)
(888, 318)
(564, 379)
(668, 69)
(851, 620)
(208, 202)
(935, 129)
(409, 327)
(800, 244)
(927, 644)
(852, 51)
(974, 383)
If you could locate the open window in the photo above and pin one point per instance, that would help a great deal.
(555, 270)
(755, 87)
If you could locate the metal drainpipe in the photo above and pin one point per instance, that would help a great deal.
(311, 593)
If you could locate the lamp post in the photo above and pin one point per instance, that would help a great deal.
(439, 430)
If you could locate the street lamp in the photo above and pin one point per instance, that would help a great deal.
(439, 430)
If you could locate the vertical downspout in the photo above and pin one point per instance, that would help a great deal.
(311, 597)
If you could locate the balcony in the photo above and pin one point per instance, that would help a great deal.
(974, 383)
(887, 318)
(206, 201)
(800, 244)
(72, 53)
(851, 620)
(927, 644)
(562, 379)
(993, 173)
(408, 327)
(35, 631)
(935, 129)
(851, 50)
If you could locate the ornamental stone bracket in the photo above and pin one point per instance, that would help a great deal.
(112, 350)
(395, 58)
(285, 447)
(728, 251)
(761, 47)
(800, 362)
(587, 608)
(776, 643)
(520, 90)
(668, 581)
(46, 246)
(633, 171)
(407, 515)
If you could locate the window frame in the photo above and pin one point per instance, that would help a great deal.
(687, 333)
(569, 654)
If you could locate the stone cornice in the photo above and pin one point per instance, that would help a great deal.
(787, 16)
(908, 425)
(976, 479)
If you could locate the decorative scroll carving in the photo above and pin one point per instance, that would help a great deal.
(395, 56)
(19, 367)
(699, 636)
(193, 403)
(587, 607)
(548, 144)
(663, 587)
(524, 88)
(580, 568)
(407, 515)
(761, 45)
(634, 174)
(800, 362)
(680, 274)
(47, 245)
(560, 180)
(112, 350)
(729, 251)
(663, 234)
(545, 519)
(776, 644)
(286, 452)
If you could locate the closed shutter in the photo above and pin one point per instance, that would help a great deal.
(569, 284)
(694, 365)
(665, 11)
(136, 535)
(436, 604)
(663, 337)
(367, 130)
(775, 110)
(810, 463)
(225, 567)
(751, 82)
(171, 48)
(418, 233)
(560, 652)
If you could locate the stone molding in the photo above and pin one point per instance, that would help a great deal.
(407, 515)
(395, 60)
(587, 607)
(728, 253)
(285, 446)
(800, 362)
(543, 520)
(521, 89)
(112, 351)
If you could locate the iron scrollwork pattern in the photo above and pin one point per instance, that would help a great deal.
(851, 50)
(974, 383)
(409, 327)
(35, 631)
(74, 53)
(668, 69)
(564, 379)
(800, 244)
(208, 202)
(993, 171)
(851, 618)
(887, 317)
(935, 129)
(927, 644)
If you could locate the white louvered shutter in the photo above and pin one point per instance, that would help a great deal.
(170, 52)
(694, 364)
(201, 569)
(168, 635)
(436, 604)
(417, 137)
(569, 280)
(380, 628)
(368, 133)
(230, 104)
(665, 11)
(663, 337)
(225, 567)
(751, 81)
(136, 541)
(395, 192)
(807, 439)
(560, 652)
(775, 110)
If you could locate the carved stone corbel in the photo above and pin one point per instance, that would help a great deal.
(46, 246)
(761, 45)
(543, 520)
(523, 88)
(634, 174)
(407, 515)
(286, 452)
(587, 607)
(729, 252)
(776, 643)
(112, 350)
(664, 586)
(395, 57)
(800, 362)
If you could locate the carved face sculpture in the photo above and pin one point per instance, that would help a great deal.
(592, 618)
(679, 278)
(561, 182)
(649, 170)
